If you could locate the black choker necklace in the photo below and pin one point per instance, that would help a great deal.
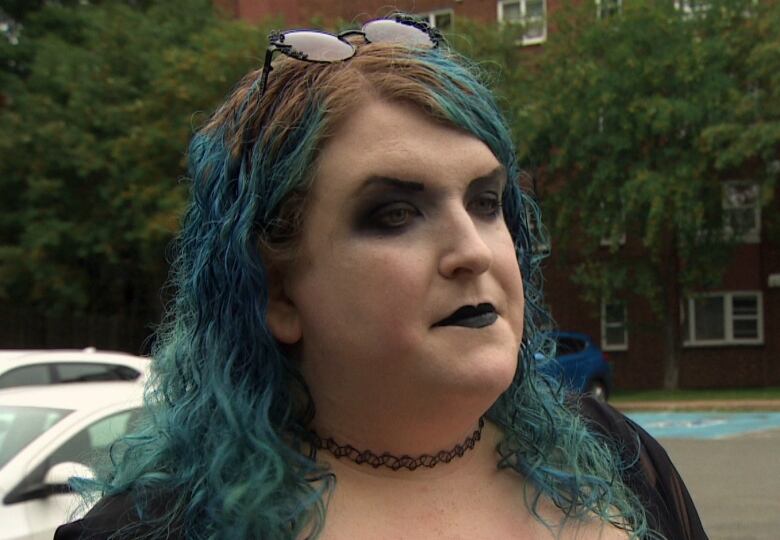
(394, 462)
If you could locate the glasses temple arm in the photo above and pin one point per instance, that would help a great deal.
(269, 52)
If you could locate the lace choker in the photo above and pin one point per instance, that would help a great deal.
(395, 462)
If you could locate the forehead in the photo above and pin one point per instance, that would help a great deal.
(399, 140)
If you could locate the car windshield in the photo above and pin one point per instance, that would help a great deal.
(19, 426)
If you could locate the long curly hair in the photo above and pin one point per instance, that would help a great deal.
(223, 446)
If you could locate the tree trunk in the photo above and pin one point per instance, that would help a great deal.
(671, 354)
(672, 342)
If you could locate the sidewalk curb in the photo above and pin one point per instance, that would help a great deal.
(699, 405)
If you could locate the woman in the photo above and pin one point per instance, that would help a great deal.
(351, 349)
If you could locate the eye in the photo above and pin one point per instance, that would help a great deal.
(394, 216)
(486, 204)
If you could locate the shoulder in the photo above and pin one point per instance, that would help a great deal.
(648, 471)
(114, 517)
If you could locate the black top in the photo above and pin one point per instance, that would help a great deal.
(652, 477)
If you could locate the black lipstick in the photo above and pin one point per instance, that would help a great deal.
(471, 316)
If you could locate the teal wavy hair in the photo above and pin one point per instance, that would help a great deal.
(223, 443)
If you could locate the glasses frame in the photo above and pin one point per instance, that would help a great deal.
(276, 42)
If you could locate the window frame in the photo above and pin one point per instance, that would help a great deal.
(753, 235)
(701, 7)
(689, 320)
(605, 325)
(538, 248)
(607, 240)
(600, 12)
(523, 9)
(689, 10)
(430, 16)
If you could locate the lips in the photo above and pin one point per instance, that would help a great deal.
(477, 316)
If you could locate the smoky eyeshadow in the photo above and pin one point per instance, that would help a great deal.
(496, 181)
(370, 205)
(379, 192)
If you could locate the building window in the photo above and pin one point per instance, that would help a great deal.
(540, 241)
(531, 14)
(613, 229)
(443, 19)
(608, 8)
(614, 328)
(613, 240)
(692, 7)
(741, 212)
(723, 318)
(614, 234)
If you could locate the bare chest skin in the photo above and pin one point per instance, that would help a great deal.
(367, 520)
(395, 519)
(476, 502)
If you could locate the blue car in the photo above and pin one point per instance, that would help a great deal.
(581, 364)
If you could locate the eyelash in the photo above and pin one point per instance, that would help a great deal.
(495, 203)
(382, 217)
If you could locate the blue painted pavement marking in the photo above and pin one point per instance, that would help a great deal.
(704, 425)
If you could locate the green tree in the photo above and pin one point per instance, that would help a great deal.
(92, 146)
(637, 120)
(749, 137)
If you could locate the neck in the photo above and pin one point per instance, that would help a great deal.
(347, 452)
(463, 451)
(401, 425)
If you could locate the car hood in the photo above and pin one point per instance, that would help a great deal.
(14, 522)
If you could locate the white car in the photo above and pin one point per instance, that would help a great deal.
(48, 434)
(27, 368)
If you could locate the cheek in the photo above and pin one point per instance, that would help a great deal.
(372, 292)
(387, 288)
(508, 272)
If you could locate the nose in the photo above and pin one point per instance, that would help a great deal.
(466, 251)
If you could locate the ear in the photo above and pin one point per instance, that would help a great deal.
(282, 314)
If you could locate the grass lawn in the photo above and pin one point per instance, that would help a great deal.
(689, 395)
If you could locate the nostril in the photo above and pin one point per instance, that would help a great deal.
(465, 244)
(454, 265)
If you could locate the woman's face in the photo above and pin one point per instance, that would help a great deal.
(404, 228)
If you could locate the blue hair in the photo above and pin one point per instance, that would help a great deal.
(223, 443)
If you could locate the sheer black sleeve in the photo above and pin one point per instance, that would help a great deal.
(114, 518)
(651, 475)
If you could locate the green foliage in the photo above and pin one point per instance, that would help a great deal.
(504, 63)
(92, 145)
(628, 124)
(638, 118)
(750, 137)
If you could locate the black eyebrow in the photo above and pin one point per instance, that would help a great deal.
(499, 173)
(389, 181)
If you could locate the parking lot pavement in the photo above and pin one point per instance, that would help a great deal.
(735, 483)
(699, 405)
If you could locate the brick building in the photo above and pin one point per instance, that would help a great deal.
(441, 13)
(731, 335)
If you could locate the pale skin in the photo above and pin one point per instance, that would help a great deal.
(404, 227)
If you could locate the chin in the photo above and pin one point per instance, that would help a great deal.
(489, 378)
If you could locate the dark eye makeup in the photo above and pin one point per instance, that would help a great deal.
(394, 215)
(388, 206)
(487, 204)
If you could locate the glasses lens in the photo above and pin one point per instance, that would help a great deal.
(389, 31)
(317, 46)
